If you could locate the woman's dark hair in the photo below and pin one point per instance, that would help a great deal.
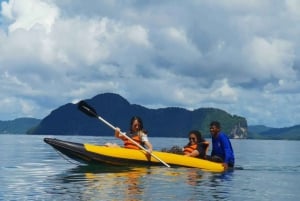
(140, 122)
(201, 141)
(198, 135)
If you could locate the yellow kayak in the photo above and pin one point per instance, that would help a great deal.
(99, 154)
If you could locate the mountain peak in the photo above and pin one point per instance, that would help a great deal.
(107, 98)
(164, 122)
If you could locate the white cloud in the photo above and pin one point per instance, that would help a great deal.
(12, 107)
(221, 91)
(139, 35)
(29, 13)
(271, 58)
(239, 56)
(293, 7)
(237, 5)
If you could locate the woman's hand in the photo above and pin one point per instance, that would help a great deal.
(117, 132)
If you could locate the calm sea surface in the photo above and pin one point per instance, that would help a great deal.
(32, 170)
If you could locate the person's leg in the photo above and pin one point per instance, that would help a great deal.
(111, 144)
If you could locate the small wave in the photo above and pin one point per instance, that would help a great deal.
(283, 168)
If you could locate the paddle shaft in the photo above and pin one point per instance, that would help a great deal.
(90, 111)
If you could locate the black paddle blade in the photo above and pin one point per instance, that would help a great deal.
(84, 107)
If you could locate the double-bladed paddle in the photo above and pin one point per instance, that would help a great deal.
(87, 109)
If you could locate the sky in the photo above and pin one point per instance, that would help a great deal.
(239, 56)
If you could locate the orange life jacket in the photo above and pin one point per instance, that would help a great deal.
(129, 144)
(189, 149)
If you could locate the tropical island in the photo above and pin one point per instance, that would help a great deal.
(163, 122)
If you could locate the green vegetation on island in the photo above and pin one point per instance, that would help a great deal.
(18, 126)
(162, 122)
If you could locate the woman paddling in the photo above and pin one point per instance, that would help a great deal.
(136, 133)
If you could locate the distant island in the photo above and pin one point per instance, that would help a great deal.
(264, 132)
(163, 122)
(18, 126)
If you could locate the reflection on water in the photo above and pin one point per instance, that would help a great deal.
(142, 183)
(128, 182)
(194, 177)
(31, 170)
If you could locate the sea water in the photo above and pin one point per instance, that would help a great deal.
(33, 170)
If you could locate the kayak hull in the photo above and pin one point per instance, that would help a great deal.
(99, 154)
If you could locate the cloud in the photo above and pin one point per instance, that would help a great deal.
(271, 58)
(27, 15)
(292, 7)
(241, 57)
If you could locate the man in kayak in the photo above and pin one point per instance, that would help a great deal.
(221, 146)
(136, 133)
(197, 146)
